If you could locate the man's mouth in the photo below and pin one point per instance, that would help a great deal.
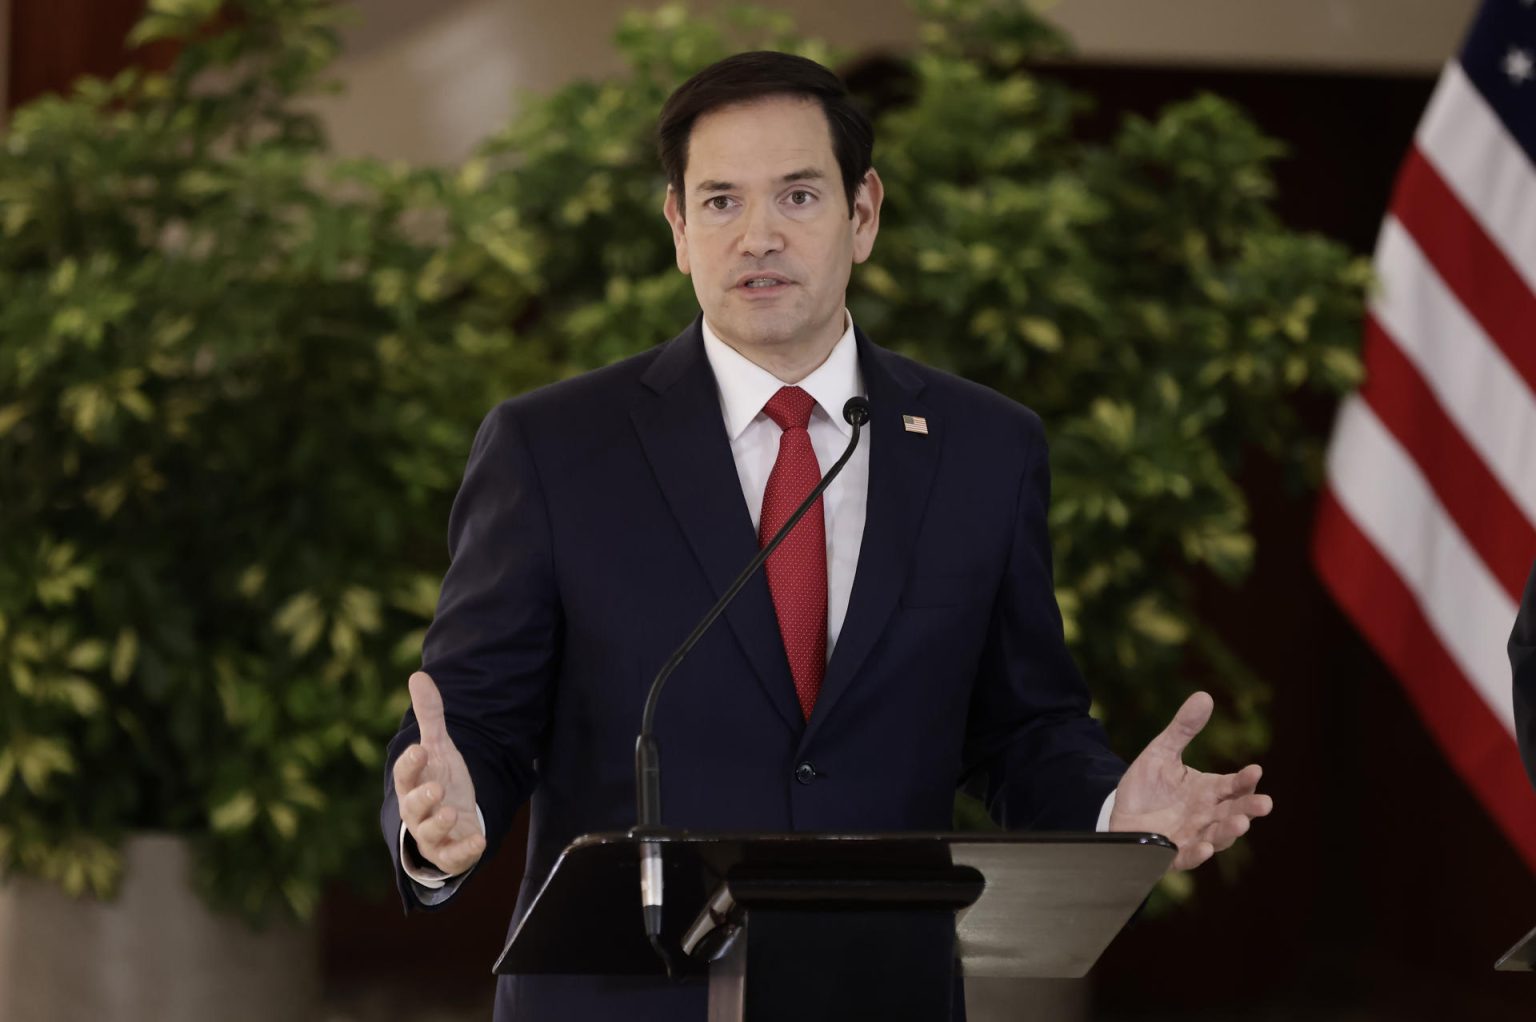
(761, 281)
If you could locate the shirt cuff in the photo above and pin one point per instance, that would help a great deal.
(427, 876)
(1105, 812)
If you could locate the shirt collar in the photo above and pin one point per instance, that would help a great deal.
(745, 386)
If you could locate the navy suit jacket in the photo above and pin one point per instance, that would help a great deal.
(600, 517)
(1522, 660)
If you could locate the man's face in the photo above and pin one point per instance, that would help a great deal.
(763, 228)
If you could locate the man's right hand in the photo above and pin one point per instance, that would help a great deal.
(432, 784)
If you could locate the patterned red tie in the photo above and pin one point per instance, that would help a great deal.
(797, 570)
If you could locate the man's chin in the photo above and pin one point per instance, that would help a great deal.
(757, 331)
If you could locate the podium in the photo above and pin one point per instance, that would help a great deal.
(1521, 957)
(817, 927)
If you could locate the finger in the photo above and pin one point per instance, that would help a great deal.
(1242, 783)
(457, 856)
(427, 702)
(1186, 723)
(408, 767)
(418, 804)
(1193, 854)
(1223, 834)
(434, 829)
(1254, 806)
(1251, 806)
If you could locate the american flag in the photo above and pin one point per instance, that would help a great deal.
(1427, 528)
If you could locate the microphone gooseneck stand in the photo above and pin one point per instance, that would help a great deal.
(647, 755)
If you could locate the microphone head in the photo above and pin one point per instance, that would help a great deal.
(856, 411)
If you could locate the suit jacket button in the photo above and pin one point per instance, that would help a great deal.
(805, 773)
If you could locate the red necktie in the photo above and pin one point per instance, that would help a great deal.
(797, 570)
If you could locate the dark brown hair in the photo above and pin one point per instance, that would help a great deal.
(757, 75)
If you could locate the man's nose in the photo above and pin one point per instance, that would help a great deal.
(760, 233)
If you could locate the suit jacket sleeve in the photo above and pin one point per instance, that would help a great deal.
(493, 645)
(1046, 761)
(1522, 660)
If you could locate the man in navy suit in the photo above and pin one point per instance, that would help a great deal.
(904, 639)
(1522, 661)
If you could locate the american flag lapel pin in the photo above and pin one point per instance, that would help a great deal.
(915, 424)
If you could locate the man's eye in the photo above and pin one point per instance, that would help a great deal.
(719, 202)
(800, 197)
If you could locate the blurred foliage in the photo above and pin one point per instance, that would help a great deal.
(239, 378)
(235, 400)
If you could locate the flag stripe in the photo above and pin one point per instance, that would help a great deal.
(1474, 740)
(1469, 147)
(1384, 493)
(1471, 378)
(1502, 537)
(1469, 261)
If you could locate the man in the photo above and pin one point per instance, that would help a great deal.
(904, 638)
(1522, 661)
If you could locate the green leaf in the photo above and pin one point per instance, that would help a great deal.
(284, 820)
(88, 655)
(38, 759)
(251, 581)
(236, 813)
(294, 613)
(367, 753)
(1151, 618)
(11, 415)
(78, 693)
(22, 679)
(360, 607)
(302, 896)
(125, 653)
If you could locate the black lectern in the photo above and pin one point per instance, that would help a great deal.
(821, 926)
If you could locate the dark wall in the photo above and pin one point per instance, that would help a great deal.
(53, 42)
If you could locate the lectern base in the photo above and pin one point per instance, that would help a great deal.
(832, 966)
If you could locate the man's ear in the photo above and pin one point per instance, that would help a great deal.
(674, 214)
(865, 222)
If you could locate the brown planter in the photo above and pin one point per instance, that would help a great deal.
(155, 953)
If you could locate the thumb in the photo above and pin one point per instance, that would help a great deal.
(1188, 722)
(427, 703)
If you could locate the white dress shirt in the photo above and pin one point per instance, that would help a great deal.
(745, 388)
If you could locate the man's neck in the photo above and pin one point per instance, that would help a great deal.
(791, 363)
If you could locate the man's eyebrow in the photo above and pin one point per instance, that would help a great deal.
(803, 174)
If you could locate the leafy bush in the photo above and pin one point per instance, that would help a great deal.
(232, 416)
(238, 379)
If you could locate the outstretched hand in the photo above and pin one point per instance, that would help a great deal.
(1200, 813)
(433, 786)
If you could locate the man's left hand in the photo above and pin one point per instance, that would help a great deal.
(1200, 813)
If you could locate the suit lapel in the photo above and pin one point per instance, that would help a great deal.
(682, 433)
(901, 470)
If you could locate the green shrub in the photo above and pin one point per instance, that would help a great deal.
(238, 379)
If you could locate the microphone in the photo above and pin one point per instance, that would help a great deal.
(647, 755)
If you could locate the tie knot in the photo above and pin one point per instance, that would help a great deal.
(790, 408)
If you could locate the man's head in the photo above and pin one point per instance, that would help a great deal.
(748, 77)
(771, 198)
